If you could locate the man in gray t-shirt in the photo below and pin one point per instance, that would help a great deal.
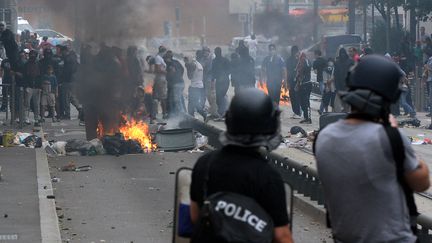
(356, 167)
(364, 199)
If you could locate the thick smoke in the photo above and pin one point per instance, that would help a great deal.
(115, 22)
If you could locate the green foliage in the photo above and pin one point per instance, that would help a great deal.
(378, 38)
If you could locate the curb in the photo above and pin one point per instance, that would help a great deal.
(50, 230)
(310, 208)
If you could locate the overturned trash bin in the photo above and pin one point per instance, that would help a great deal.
(175, 140)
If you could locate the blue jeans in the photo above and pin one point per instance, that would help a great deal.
(196, 101)
(403, 102)
(176, 99)
(429, 87)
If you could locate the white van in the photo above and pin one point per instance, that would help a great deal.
(23, 24)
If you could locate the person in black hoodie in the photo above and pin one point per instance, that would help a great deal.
(220, 74)
(343, 65)
(7, 38)
(32, 87)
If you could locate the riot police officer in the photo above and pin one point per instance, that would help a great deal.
(253, 122)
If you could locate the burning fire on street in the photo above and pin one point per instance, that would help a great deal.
(132, 129)
(138, 131)
(284, 94)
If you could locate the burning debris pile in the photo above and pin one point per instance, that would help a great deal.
(131, 137)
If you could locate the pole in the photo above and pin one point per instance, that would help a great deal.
(365, 21)
(373, 14)
(316, 22)
(388, 27)
(12, 100)
(351, 17)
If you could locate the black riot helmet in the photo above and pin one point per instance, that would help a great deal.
(377, 74)
(373, 85)
(252, 113)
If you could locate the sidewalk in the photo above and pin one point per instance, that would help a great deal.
(19, 200)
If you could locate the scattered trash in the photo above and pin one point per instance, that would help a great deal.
(410, 122)
(84, 148)
(72, 167)
(32, 141)
(97, 143)
(59, 147)
(298, 131)
(301, 143)
(118, 145)
(19, 137)
(55, 179)
(201, 140)
(7, 139)
(419, 140)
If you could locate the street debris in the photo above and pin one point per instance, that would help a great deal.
(55, 179)
(410, 122)
(72, 167)
(419, 140)
(298, 132)
(118, 145)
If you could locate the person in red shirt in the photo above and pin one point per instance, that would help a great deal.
(45, 44)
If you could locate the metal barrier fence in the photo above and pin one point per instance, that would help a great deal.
(302, 178)
(15, 102)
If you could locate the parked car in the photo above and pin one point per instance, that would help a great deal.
(54, 37)
(23, 24)
(329, 45)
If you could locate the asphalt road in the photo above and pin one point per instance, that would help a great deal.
(130, 199)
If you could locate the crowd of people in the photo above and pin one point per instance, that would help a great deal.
(42, 75)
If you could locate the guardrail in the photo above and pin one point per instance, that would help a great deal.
(302, 178)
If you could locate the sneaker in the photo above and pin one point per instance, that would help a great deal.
(27, 122)
(82, 123)
(295, 116)
(306, 121)
(207, 119)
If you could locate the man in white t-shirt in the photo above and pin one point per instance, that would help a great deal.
(195, 73)
(160, 87)
(253, 46)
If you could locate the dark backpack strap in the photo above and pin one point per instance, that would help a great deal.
(314, 152)
(398, 150)
(207, 175)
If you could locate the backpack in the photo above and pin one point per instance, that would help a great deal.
(231, 217)
(398, 151)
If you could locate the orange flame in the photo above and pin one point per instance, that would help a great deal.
(284, 96)
(139, 131)
(100, 130)
(148, 89)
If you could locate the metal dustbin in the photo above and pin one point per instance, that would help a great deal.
(175, 139)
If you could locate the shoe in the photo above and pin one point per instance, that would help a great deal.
(27, 122)
(165, 116)
(37, 124)
(306, 121)
(295, 116)
(207, 119)
(428, 115)
(82, 123)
